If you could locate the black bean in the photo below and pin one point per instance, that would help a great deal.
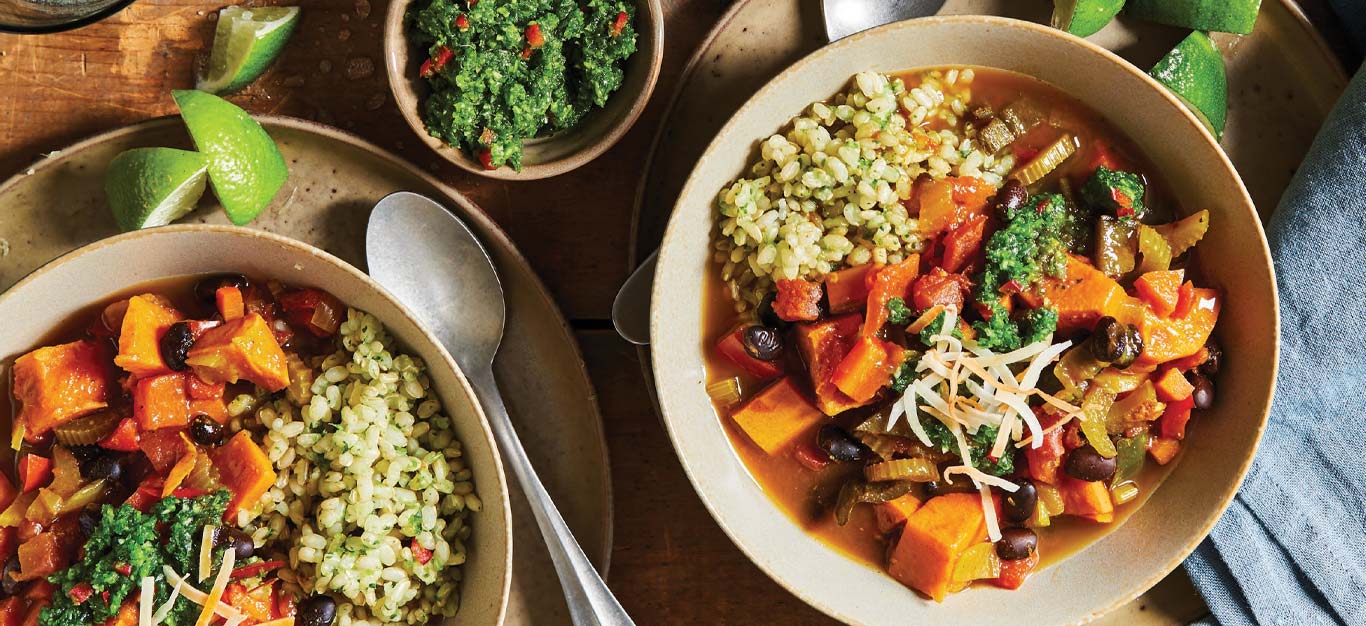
(1086, 464)
(206, 290)
(1011, 196)
(205, 431)
(1203, 396)
(763, 343)
(839, 444)
(88, 521)
(1115, 343)
(316, 610)
(1018, 506)
(1215, 359)
(1016, 544)
(105, 467)
(175, 345)
(239, 541)
(8, 585)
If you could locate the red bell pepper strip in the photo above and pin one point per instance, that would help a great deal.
(486, 159)
(256, 569)
(124, 438)
(81, 592)
(34, 472)
(534, 38)
(438, 61)
(420, 554)
(462, 22)
(619, 24)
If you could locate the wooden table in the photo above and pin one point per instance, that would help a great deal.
(671, 564)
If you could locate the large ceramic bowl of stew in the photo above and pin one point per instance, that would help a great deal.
(312, 451)
(965, 320)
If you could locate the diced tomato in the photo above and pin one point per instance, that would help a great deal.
(1014, 573)
(285, 605)
(732, 347)
(619, 24)
(123, 568)
(12, 611)
(80, 592)
(534, 38)
(1174, 418)
(314, 309)
(1045, 460)
(34, 472)
(9, 542)
(420, 554)
(1103, 154)
(798, 300)
(811, 457)
(462, 22)
(439, 60)
(939, 288)
(256, 569)
(847, 290)
(963, 242)
(124, 438)
(526, 53)
(163, 447)
(486, 159)
(147, 494)
(891, 281)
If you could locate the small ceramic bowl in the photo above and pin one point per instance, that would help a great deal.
(1233, 256)
(542, 157)
(46, 299)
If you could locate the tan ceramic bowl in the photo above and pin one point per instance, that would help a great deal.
(46, 299)
(1234, 255)
(542, 157)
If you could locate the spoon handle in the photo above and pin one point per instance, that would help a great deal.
(590, 602)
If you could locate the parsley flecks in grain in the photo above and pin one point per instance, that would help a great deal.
(495, 89)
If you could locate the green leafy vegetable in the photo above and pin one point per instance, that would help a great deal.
(936, 327)
(898, 313)
(1033, 244)
(979, 446)
(1115, 192)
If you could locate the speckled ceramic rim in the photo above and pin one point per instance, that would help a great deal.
(499, 477)
(406, 97)
(58, 27)
(1243, 210)
(468, 211)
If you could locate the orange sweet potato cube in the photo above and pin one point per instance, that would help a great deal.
(243, 349)
(58, 384)
(1083, 295)
(147, 319)
(244, 469)
(1090, 500)
(1182, 334)
(933, 539)
(777, 416)
(893, 513)
(823, 346)
(161, 402)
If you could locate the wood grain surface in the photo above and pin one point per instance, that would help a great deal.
(671, 563)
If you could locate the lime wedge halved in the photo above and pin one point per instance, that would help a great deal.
(149, 187)
(1223, 16)
(245, 43)
(246, 168)
(1084, 18)
(1194, 70)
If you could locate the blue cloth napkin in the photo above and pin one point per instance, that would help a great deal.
(1291, 550)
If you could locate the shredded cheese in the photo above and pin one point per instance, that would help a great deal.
(989, 512)
(164, 610)
(206, 552)
(219, 584)
(145, 602)
(199, 597)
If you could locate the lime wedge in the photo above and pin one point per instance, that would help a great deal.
(1084, 18)
(246, 168)
(1224, 16)
(244, 45)
(1194, 70)
(149, 187)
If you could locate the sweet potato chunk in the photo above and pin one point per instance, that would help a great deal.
(243, 349)
(58, 384)
(777, 415)
(244, 469)
(162, 402)
(1083, 295)
(847, 290)
(1181, 335)
(1160, 290)
(934, 538)
(1090, 500)
(867, 368)
(893, 513)
(146, 321)
(823, 346)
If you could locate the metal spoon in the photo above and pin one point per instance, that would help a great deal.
(455, 291)
(631, 309)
